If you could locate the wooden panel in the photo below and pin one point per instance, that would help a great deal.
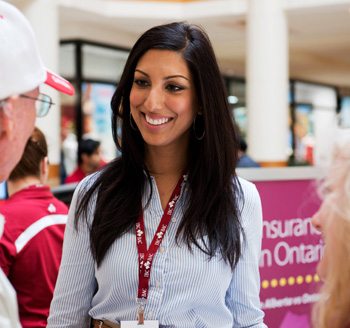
(54, 175)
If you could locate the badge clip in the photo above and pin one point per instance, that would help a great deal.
(140, 312)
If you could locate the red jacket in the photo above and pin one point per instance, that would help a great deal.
(76, 176)
(79, 174)
(31, 249)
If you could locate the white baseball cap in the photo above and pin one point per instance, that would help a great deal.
(21, 67)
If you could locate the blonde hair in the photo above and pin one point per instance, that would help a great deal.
(333, 307)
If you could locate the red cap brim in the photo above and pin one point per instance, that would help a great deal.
(59, 83)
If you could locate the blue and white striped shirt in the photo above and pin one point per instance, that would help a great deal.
(185, 289)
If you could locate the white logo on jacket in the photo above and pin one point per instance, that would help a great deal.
(51, 208)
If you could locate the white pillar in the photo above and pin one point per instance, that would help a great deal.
(267, 82)
(43, 16)
(325, 128)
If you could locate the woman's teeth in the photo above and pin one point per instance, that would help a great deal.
(157, 122)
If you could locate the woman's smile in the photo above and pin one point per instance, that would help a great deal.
(156, 120)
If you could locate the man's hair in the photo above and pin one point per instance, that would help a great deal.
(87, 146)
(3, 102)
(242, 145)
(34, 152)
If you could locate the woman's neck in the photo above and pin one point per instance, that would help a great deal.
(166, 165)
(14, 186)
(164, 161)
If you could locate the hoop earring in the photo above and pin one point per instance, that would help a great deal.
(194, 130)
(131, 123)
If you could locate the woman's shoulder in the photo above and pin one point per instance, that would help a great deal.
(248, 188)
(88, 181)
(84, 186)
(249, 199)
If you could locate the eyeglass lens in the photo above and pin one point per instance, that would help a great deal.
(42, 105)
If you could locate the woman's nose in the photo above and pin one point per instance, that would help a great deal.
(154, 100)
(316, 220)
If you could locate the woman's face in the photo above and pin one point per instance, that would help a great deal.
(326, 218)
(163, 99)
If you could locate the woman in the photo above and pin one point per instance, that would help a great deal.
(174, 185)
(31, 246)
(333, 219)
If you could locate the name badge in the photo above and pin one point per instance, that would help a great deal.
(136, 324)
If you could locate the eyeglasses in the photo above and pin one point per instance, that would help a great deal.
(42, 104)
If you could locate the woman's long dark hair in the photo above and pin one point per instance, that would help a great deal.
(212, 209)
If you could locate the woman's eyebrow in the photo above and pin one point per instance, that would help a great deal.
(138, 70)
(173, 76)
(166, 78)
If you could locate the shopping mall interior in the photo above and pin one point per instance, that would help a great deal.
(286, 68)
(286, 65)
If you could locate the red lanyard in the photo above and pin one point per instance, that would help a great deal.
(146, 256)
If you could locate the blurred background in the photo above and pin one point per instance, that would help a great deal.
(286, 66)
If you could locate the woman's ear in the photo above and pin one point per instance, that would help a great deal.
(200, 110)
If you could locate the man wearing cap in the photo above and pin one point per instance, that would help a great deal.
(21, 73)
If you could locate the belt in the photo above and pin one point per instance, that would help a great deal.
(104, 324)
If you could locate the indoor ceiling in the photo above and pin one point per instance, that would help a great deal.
(319, 31)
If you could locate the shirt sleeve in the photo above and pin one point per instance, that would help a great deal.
(76, 282)
(8, 300)
(8, 251)
(242, 297)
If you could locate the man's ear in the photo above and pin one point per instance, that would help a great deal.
(7, 120)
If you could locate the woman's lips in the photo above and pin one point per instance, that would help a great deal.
(156, 120)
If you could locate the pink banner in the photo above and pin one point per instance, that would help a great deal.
(291, 249)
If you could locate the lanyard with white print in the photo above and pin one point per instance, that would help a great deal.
(146, 256)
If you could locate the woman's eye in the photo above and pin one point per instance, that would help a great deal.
(141, 83)
(325, 191)
(174, 88)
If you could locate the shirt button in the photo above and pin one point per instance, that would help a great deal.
(150, 315)
(173, 219)
(157, 283)
(161, 250)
